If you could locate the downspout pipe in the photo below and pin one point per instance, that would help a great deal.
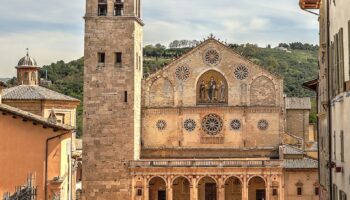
(329, 84)
(46, 158)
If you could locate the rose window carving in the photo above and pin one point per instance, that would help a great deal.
(241, 72)
(182, 73)
(212, 57)
(263, 124)
(161, 125)
(190, 125)
(212, 124)
(236, 124)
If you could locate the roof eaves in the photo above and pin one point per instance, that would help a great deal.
(35, 118)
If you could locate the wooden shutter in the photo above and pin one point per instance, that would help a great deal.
(341, 61)
(349, 48)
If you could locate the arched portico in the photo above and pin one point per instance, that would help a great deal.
(233, 188)
(181, 188)
(207, 188)
(257, 188)
(157, 188)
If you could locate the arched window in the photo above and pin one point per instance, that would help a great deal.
(212, 88)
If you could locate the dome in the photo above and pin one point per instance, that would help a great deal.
(27, 61)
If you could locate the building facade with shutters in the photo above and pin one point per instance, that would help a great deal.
(209, 125)
(333, 88)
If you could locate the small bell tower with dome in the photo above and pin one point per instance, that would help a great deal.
(27, 71)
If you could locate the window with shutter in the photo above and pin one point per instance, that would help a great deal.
(342, 146)
(341, 60)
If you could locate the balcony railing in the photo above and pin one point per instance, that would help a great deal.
(205, 163)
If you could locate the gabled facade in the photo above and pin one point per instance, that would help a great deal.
(208, 126)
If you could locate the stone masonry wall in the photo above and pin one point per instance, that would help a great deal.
(111, 102)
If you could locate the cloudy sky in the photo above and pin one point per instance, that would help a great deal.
(53, 29)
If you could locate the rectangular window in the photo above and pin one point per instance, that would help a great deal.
(317, 191)
(125, 96)
(118, 58)
(300, 191)
(335, 146)
(342, 157)
(101, 57)
(274, 192)
(341, 60)
(335, 192)
(118, 7)
(336, 66)
(60, 118)
(342, 195)
(102, 7)
(139, 192)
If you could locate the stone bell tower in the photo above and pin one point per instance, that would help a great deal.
(112, 97)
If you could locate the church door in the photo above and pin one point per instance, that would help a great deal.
(210, 191)
(260, 195)
(162, 195)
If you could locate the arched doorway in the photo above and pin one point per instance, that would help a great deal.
(212, 88)
(256, 189)
(207, 189)
(233, 189)
(157, 189)
(181, 189)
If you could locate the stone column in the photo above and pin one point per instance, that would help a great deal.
(268, 187)
(245, 188)
(221, 189)
(145, 189)
(169, 189)
(194, 189)
(281, 187)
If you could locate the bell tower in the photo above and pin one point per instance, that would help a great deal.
(112, 96)
(27, 71)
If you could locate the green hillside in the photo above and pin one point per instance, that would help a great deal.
(296, 67)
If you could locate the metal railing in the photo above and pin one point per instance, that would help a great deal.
(205, 163)
(26, 192)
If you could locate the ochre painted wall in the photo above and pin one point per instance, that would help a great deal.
(22, 151)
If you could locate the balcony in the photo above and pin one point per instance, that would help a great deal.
(310, 4)
(205, 163)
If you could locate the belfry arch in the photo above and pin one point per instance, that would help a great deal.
(212, 88)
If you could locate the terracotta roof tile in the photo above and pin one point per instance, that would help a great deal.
(33, 92)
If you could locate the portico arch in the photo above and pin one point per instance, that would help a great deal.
(233, 188)
(157, 188)
(256, 188)
(207, 188)
(181, 188)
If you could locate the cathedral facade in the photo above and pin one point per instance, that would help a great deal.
(210, 125)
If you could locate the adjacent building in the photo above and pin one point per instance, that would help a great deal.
(29, 96)
(210, 125)
(30, 144)
(333, 87)
(37, 135)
